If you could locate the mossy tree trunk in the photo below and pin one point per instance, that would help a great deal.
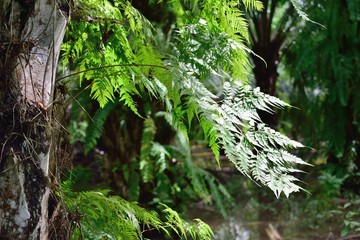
(31, 32)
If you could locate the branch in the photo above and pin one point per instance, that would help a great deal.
(110, 66)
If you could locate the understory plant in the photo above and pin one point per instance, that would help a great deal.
(99, 215)
(129, 73)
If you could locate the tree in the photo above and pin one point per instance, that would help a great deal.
(117, 57)
(31, 35)
(270, 32)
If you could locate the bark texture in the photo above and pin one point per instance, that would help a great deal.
(31, 32)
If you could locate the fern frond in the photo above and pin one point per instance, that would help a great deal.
(234, 123)
(197, 229)
(255, 4)
(125, 95)
(94, 130)
(265, 135)
(104, 43)
(302, 14)
(161, 155)
(111, 217)
(210, 40)
(146, 164)
(139, 25)
(204, 183)
(236, 126)
(103, 91)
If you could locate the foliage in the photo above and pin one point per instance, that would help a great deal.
(103, 216)
(94, 130)
(349, 212)
(174, 180)
(167, 170)
(351, 218)
(205, 185)
(227, 123)
(121, 60)
(330, 185)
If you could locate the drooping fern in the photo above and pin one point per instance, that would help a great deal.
(234, 124)
(103, 216)
(210, 41)
(101, 46)
(205, 185)
(147, 141)
(94, 130)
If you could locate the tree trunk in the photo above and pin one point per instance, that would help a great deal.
(31, 32)
(266, 73)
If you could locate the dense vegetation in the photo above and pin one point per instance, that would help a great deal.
(144, 84)
(125, 67)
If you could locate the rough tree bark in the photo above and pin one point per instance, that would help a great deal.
(31, 32)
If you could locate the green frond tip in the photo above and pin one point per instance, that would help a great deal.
(103, 91)
(197, 229)
(255, 4)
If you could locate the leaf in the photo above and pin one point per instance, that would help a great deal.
(302, 14)
(94, 130)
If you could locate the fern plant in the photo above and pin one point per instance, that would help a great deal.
(148, 148)
(154, 161)
(233, 124)
(205, 185)
(110, 217)
(210, 41)
(116, 53)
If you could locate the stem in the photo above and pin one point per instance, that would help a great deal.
(110, 66)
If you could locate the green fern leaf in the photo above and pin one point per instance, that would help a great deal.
(146, 163)
(94, 130)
